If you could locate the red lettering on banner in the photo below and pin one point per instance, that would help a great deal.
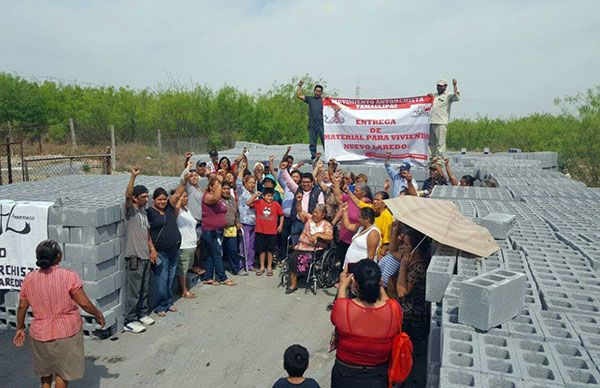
(378, 137)
(375, 130)
(375, 122)
(357, 147)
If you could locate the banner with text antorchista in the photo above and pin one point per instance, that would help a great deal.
(367, 129)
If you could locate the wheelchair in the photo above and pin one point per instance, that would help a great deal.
(324, 269)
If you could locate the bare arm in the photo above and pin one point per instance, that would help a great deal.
(19, 338)
(346, 220)
(175, 198)
(410, 186)
(451, 177)
(372, 244)
(393, 247)
(299, 93)
(252, 199)
(84, 302)
(129, 191)
(403, 286)
(286, 154)
(214, 196)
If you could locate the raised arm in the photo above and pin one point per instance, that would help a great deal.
(393, 247)
(299, 93)
(239, 183)
(302, 215)
(287, 153)
(253, 198)
(285, 175)
(129, 191)
(388, 168)
(410, 184)
(215, 195)
(456, 96)
(451, 177)
(351, 227)
(175, 198)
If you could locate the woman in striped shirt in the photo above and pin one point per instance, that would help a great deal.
(54, 294)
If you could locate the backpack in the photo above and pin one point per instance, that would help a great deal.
(400, 362)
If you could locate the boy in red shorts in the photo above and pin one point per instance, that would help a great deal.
(269, 222)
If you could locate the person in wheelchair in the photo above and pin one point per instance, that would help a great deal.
(316, 235)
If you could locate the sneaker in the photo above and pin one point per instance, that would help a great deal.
(135, 327)
(146, 320)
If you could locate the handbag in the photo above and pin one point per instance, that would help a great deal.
(401, 360)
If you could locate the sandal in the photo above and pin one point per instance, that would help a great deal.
(173, 309)
(162, 313)
(270, 273)
(189, 295)
(210, 282)
(229, 283)
(260, 272)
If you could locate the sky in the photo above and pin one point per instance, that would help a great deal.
(511, 58)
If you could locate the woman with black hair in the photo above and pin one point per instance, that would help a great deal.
(365, 328)
(408, 285)
(225, 165)
(365, 241)
(166, 240)
(54, 294)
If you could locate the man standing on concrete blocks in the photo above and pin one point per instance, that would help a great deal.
(440, 113)
(138, 256)
(315, 118)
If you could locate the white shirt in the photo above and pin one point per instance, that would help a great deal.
(187, 228)
(440, 111)
(358, 249)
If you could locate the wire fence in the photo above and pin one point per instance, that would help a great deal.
(105, 151)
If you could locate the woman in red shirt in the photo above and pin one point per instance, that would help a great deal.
(54, 294)
(365, 327)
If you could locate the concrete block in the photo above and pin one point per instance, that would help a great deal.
(572, 302)
(76, 266)
(491, 299)
(55, 215)
(102, 287)
(439, 273)
(459, 378)
(537, 362)
(500, 225)
(58, 233)
(109, 301)
(460, 349)
(587, 328)
(556, 327)
(121, 230)
(90, 253)
(94, 272)
(498, 356)
(434, 346)
(11, 299)
(575, 365)
(83, 216)
(526, 326)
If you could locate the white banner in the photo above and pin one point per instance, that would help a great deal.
(367, 129)
(23, 225)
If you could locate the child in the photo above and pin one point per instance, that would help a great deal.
(269, 222)
(295, 362)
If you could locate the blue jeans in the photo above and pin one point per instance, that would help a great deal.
(212, 241)
(164, 275)
(231, 259)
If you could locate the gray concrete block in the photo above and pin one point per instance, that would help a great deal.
(556, 327)
(55, 215)
(449, 316)
(491, 299)
(94, 272)
(91, 253)
(459, 378)
(575, 365)
(500, 225)
(58, 233)
(460, 349)
(101, 288)
(439, 273)
(11, 299)
(498, 356)
(587, 328)
(537, 362)
(571, 302)
(525, 326)
(109, 301)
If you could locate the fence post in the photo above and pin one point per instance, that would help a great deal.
(159, 138)
(73, 139)
(10, 133)
(8, 160)
(113, 148)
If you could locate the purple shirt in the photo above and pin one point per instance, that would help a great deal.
(213, 216)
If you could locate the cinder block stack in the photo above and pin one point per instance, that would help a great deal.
(88, 221)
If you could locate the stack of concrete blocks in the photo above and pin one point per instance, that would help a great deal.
(492, 298)
(87, 220)
(439, 273)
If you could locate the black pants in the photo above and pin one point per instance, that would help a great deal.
(315, 133)
(345, 377)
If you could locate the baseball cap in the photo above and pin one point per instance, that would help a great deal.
(404, 166)
(139, 190)
(212, 153)
(442, 81)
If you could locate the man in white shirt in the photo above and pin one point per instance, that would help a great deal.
(440, 113)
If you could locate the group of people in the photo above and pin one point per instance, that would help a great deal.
(231, 217)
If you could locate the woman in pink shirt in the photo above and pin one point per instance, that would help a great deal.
(54, 294)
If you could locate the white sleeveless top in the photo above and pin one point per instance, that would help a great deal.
(358, 249)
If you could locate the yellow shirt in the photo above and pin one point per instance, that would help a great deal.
(383, 222)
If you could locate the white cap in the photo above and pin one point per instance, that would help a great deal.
(442, 81)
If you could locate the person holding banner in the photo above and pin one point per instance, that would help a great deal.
(440, 113)
(315, 118)
(55, 295)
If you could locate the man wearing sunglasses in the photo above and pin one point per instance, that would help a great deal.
(440, 113)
